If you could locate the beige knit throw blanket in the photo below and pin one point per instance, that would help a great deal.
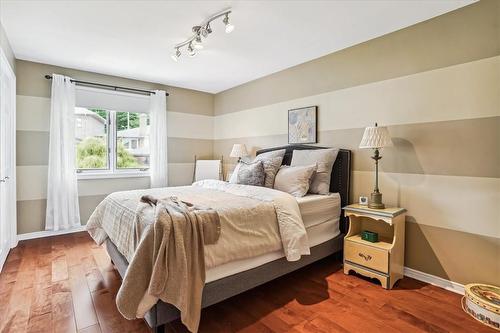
(169, 263)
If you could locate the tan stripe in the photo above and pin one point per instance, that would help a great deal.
(31, 82)
(459, 148)
(461, 36)
(33, 114)
(453, 255)
(33, 147)
(31, 213)
(31, 216)
(180, 174)
(87, 206)
(181, 150)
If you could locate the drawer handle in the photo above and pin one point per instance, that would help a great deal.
(367, 257)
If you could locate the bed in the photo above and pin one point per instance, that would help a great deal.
(325, 226)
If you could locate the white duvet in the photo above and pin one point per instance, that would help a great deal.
(254, 220)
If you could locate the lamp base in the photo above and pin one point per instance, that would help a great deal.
(376, 201)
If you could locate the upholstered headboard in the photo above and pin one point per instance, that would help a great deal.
(341, 172)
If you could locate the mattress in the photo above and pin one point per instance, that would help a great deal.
(317, 234)
(318, 208)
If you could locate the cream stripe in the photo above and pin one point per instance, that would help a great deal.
(468, 204)
(187, 125)
(32, 184)
(33, 147)
(33, 114)
(464, 91)
(32, 181)
(91, 187)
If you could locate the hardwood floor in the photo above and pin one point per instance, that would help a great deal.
(67, 284)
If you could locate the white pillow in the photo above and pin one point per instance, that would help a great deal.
(272, 162)
(324, 159)
(234, 176)
(294, 180)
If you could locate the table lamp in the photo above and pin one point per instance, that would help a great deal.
(239, 150)
(376, 138)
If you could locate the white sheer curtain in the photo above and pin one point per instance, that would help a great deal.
(158, 138)
(62, 192)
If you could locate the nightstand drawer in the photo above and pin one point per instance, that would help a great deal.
(367, 256)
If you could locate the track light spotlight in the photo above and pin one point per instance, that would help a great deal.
(197, 43)
(176, 55)
(206, 30)
(229, 26)
(191, 50)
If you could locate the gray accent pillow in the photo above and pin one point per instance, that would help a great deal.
(249, 174)
(294, 180)
(271, 161)
(324, 159)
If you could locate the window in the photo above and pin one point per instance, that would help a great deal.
(91, 134)
(111, 142)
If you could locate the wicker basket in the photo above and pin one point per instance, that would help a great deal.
(482, 302)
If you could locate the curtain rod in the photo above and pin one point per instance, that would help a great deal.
(107, 86)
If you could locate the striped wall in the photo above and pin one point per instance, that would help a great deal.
(436, 85)
(190, 132)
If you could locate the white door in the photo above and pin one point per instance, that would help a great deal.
(7, 158)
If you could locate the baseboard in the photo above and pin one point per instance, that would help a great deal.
(434, 280)
(48, 233)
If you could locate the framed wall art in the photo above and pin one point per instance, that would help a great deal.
(302, 125)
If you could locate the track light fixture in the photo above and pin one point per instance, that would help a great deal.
(194, 43)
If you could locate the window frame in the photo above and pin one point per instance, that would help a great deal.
(112, 171)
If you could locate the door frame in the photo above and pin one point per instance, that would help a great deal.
(11, 225)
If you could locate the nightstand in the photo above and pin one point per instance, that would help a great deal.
(383, 260)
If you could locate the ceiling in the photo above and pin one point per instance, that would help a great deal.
(135, 39)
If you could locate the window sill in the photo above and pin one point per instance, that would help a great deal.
(88, 175)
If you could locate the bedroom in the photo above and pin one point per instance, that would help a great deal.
(275, 111)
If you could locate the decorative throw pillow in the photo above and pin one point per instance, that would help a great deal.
(248, 174)
(324, 159)
(271, 161)
(294, 180)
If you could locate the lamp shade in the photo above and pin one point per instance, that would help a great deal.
(375, 137)
(239, 150)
